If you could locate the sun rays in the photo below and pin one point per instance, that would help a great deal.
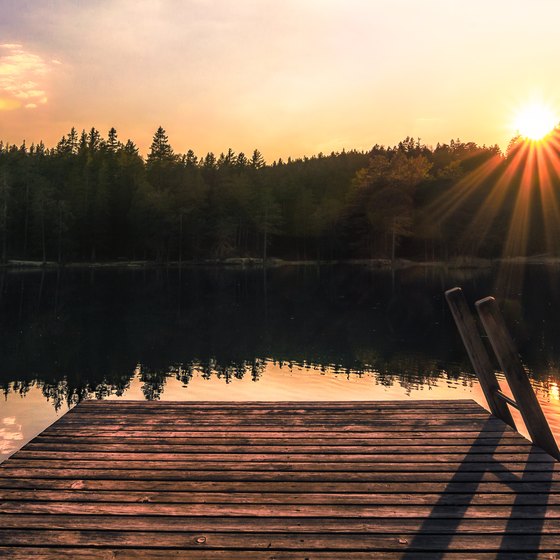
(520, 189)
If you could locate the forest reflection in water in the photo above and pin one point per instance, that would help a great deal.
(292, 333)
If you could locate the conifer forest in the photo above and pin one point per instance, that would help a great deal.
(92, 199)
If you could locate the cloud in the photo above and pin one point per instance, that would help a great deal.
(8, 104)
(23, 77)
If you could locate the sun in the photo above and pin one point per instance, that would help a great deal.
(535, 121)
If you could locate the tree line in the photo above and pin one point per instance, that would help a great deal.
(91, 198)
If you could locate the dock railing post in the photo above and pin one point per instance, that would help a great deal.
(478, 355)
(510, 363)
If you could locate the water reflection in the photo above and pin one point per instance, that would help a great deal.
(339, 332)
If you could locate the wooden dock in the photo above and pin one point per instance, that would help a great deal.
(310, 480)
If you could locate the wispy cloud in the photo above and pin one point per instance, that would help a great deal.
(23, 77)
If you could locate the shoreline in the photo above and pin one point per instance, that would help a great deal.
(250, 262)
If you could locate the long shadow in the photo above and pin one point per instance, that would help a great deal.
(460, 492)
(517, 524)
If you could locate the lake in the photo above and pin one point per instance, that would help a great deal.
(287, 333)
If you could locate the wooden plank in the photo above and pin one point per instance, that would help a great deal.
(32, 553)
(105, 442)
(457, 426)
(445, 511)
(264, 414)
(167, 436)
(459, 423)
(266, 541)
(273, 415)
(399, 432)
(371, 498)
(198, 410)
(268, 415)
(91, 405)
(181, 470)
(512, 472)
(42, 450)
(486, 485)
(223, 405)
(275, 524)
(201, 412)
(365, 455)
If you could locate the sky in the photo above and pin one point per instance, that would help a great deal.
(290, 78)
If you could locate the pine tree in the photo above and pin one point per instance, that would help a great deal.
(160, 150)
(112, 141)
(82, 146)
(130, 148)
(190, 159)
(94, 139)
(257, 160)
(242, 160)
(73, 141)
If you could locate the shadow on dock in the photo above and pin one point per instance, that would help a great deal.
(519, 532)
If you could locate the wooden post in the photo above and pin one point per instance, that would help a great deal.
(478, 355)
(509, 360)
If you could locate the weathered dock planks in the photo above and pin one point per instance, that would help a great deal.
(413, 479)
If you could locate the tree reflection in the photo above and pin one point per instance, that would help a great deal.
(108, 329)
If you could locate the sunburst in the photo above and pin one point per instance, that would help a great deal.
(534, 121)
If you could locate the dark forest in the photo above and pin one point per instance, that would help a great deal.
(92, 199)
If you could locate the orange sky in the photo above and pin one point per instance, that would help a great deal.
(290, 78)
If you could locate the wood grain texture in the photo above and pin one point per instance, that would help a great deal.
(409, 480)
(515, 373)
(478, 355)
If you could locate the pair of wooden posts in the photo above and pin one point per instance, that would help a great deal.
(503, 346)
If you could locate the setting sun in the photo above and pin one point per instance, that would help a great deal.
(535, 121)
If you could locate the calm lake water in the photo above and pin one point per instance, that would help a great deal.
(290, 333)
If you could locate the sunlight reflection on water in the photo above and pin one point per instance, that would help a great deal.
(22, 418)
